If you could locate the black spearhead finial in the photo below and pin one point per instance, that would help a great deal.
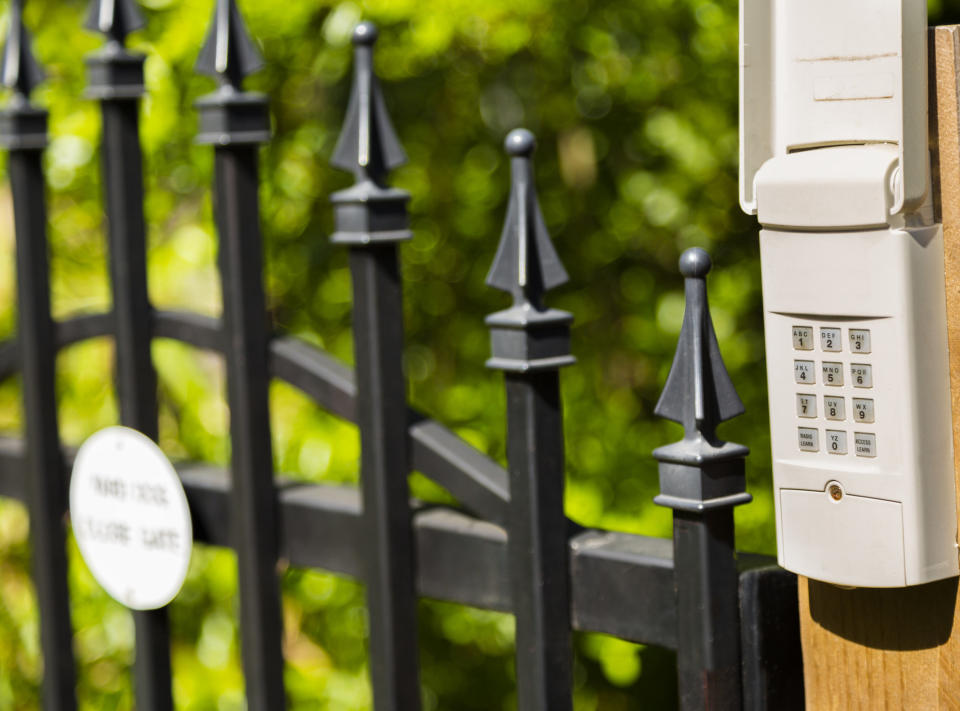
(699, 393)
(114, 18)
(229, 54)
(526, 264)
(19, 71)
(368, 145)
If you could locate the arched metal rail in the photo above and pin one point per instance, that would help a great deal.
(460, 558)
(475, 480)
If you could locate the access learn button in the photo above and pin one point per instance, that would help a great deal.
(866, 444)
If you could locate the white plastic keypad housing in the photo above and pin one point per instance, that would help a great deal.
(834, 164)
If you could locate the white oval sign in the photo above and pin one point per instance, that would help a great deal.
(130, 518)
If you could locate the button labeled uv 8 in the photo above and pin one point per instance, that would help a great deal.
(833, 408)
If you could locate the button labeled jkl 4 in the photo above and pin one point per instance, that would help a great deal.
(803, 372)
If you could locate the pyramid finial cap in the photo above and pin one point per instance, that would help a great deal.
(229, 54)
(699, 393)
(20, 70)
(114, 18)
(526, 264)
(368, 145)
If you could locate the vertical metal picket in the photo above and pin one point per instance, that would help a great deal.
(702, 479)
(236, 122)
(530, 343)
(371, 219)
(115, 78)
(23, 132)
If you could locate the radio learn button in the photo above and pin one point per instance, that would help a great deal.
(865, 444)
(809, 439)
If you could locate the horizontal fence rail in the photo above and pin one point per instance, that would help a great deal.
(508, 546)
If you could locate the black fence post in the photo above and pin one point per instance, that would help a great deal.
(115, 78)
(236, 122)
(702, 479)
(530, 343)
(371, 219)
(23, 132)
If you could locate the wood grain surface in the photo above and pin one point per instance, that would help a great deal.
(900, 648)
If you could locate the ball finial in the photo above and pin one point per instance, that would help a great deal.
(695, 263)
(520, 143)
(365, 33)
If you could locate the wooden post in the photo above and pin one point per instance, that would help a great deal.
(900, 648)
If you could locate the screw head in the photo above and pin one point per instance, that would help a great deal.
(695, 263)
(520, 143)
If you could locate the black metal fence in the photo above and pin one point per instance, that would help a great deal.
(732, 619)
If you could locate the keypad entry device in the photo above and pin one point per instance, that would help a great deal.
(834, 164)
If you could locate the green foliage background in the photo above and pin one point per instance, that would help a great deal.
(635, 107)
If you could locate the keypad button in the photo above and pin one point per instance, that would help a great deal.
(865, 444)
(833, 374)
(859, 341)
(833, 408)
(803, 338)
(830, 340)
(861, 375)
(836, 442)
(862, 410)
(809, 439)
(803, 372)
(806, 405)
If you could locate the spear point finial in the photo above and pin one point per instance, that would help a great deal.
(526, 264)
(229, 54)
(368, 145)
(114, 18)
(19, 69)
(699, 393)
